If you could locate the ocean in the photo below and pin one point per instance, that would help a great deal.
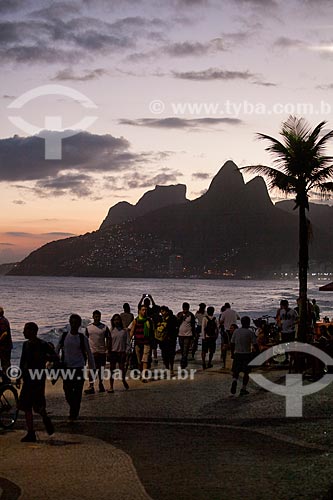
(50, 300)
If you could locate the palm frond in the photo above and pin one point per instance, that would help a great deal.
(320, 175)
(326, 187)
(275, 177)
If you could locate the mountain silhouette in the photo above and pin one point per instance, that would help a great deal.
(161, 196)
(233, 229)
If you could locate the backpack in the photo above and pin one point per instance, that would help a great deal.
(82, 345)
(210, 329)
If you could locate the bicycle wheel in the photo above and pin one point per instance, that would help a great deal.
(8, 406)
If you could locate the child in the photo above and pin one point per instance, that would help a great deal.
(35, 354)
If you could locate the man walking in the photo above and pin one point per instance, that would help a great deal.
(35, 354)
(6, 344)
(186, 332)
(210, 333)
(227, 318)
(98, 335)
(142, 330)
(242, 341)
(75, 350)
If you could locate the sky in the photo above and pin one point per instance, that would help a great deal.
(102, 100)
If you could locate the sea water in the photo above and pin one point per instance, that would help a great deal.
(49, 301)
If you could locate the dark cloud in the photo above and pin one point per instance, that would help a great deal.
(201, 176)
(10, 5)
(17, 234)
(258, 3)
(23, 158)
(184, 49)
(146, 181)
(19, 202)
(68, 74)
(265, 84)
(289, 43)
(6, 96)
(57, 10)
(83, 156)
(58, 233)
(21, 234)
(48, 37)
(179, 123)
(213, 74)
(329, 86)
(140, 179)
(78, 185)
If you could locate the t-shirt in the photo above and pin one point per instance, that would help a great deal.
(73, 355)
(228, 317)
(97, 334)
(288, 320)
(186, 325)
(119, 340)
(127, 319)
(205, 322)
(34, 355)
(243, 338)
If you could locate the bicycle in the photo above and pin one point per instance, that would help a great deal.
(8, 403)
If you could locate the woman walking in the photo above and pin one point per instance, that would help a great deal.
(118, 348)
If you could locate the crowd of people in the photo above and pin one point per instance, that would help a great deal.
(132, 341)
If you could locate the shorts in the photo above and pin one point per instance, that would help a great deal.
(209, 344)
(225, 337)
(240, 363)
(142, 352)
(100, 359)
(32, 396)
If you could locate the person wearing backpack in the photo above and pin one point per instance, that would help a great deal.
(210, 333)
(75, 350)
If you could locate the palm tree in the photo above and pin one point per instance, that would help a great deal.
(300, 169)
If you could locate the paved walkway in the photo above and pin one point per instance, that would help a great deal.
(185, 439)
(69, 466)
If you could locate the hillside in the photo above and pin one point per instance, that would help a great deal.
(233, 229)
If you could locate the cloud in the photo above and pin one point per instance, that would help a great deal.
(83, 156)
(259, 3)
(201, 176)
(289, 43)
(22, 158)
(22, 234)
(49, 38)
(7, 96)
(213, 74)
(57, 10)
(19, 202)
(145, 181)
(7, 244)
(140, 179)
(10, 5)
(78, 185)
(265, 84)
(68, 74)
(179, 123)
(185, 49)
(329, 86)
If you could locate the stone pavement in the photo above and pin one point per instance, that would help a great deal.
(187, 439)
(68, 466)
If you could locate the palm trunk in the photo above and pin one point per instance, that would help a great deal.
(303, 263)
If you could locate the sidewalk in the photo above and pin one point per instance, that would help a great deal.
(165, 425)
(68, 466)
